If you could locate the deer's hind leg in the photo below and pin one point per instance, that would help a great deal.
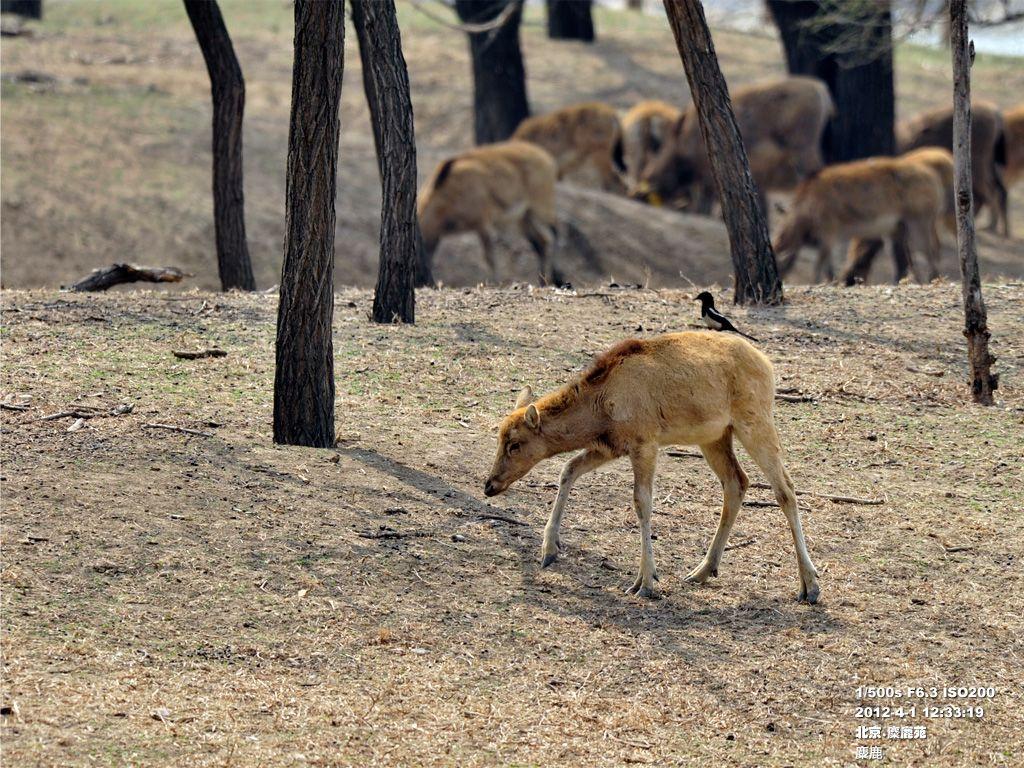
(720, 456)
(644, 457)
(542, 238)
(762, 443)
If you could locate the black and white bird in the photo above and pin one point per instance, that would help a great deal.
(714, 319)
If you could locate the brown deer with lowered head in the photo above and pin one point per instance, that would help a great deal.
(492, 188)
(645, 128)
(872, 199)
(682, 388)
(582, 138)
(781, 122)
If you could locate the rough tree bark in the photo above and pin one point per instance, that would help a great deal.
(983, 381)
(228, 90)
(571, 20)
(386, 80)
(849, 47)
(756, 273)
(423, 274)
(304, 376)
(499, 78)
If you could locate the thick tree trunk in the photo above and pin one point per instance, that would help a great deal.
(228, 89)
(30, 9)
(499, 79)
(756, 274)
(983, 381)
(304, 377)
(853, 56)
(423, 274)
(571, 20)
(386, 80)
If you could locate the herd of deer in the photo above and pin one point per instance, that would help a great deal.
(655, 153)
(702, 388)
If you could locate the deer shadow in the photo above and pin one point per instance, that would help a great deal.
(581, 586)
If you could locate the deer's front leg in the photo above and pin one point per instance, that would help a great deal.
(644, 458)
(578, 465)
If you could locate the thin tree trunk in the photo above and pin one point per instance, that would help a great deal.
(386, 80)
(304, 377)
(571, 20)
(853, 56)
(499, 78)
(756, 274)
(983, 381)
(228, 90)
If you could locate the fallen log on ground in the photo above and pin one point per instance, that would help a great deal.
(199, 354)
(115, 274)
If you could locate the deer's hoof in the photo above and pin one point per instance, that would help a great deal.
(548, 560)
(640, 589)
(809, 595)
(701, 573)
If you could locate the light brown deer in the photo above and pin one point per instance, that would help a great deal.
(679, 389)
(862, 251)
(935, 129)
(580, 137)
(491, 188)
(645, 128)
(781, 122)
(877, 198)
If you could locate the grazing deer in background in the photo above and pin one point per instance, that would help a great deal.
(645, 128)
(1013, 131)
(988, 150)
(862, 251)
(679, 389)
(883, 197)
(781, 123)
(583, 136)
(491, 188)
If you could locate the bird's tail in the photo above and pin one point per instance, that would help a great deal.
(745, 335)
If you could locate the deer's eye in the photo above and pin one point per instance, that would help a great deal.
(513, 448)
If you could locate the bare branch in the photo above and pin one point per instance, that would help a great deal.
(472, 29)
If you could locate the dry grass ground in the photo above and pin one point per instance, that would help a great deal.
(110, 161)
(172, 599)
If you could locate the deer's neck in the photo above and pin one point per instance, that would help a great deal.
(573, 425)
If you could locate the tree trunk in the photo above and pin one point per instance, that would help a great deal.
(228, 89)
(304, 377)
(756, 274)
(635, 5)
(422, 274)
(570, 20)
(853, 56)
(386, 81)
(30, 9)
(499, 79)
(983, 381)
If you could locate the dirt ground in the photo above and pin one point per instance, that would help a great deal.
(108, 158)
(215, 600)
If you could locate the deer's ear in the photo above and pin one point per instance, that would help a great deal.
(525, 397)
(532, 418)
